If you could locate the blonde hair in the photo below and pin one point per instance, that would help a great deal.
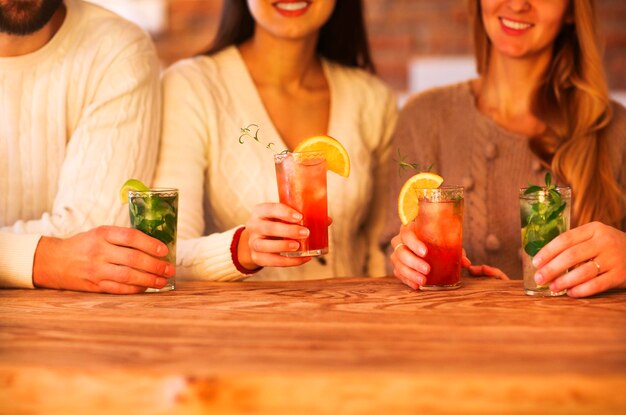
(573, 101)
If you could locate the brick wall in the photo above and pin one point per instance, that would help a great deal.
(399, 30)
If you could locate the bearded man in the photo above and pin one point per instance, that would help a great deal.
(79, 115)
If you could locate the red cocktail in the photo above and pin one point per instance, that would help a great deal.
(301, 181)
(439, 225)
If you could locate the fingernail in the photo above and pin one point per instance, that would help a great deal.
(304, 232)
(536, 261)
(421, 251)
(160, 282)
(297, 216)
(160, 249)
(293, 246)
(538, 278)
(425, 269)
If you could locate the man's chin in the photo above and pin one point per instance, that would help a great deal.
(19, 30)
(23, 18)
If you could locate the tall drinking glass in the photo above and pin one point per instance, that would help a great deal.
(544, 215)
(439, 225)
(155, 213)
(301, 181)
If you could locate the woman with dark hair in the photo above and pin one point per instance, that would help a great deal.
(541, 103)
(296, 69)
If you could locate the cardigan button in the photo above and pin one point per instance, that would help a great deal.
(467, 183)
(492, 243)
(491, 151)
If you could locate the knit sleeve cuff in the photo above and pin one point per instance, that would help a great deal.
(209, 258)
(17, 254)
(235, 256)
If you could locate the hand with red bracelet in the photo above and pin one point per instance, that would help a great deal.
(272, 228)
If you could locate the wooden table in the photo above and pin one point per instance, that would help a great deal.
(345, 346)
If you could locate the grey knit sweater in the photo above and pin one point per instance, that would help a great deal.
(444, 128)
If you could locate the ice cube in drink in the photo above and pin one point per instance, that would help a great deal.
(301, 179)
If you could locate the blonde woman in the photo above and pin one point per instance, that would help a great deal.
(540, 103)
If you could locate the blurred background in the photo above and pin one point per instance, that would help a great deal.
(416, 44)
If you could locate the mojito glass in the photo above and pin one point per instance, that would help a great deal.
(439, 225)
(155, 213)
(545, 214)
(301, 179)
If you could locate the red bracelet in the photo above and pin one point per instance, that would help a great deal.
(234, 254)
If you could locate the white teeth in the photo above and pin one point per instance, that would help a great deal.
(515, 25)
(292, 6)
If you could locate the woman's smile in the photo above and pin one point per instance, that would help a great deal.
(514, 27)
(292, 8)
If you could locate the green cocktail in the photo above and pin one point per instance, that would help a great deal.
(155, 213)
(545, 214)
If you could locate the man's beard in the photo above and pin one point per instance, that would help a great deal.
(23, 17)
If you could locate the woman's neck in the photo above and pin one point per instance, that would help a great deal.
(505, 92)
(291, 83)
(281, 63)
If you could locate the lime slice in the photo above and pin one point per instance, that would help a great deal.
(131, 184)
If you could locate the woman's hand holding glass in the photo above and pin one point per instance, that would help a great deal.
(409, 265)
(594, 255)
(271, 229)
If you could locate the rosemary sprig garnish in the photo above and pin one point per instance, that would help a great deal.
(252, 132)
(404, 165)
(247, 132)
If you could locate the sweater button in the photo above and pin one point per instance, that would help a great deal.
(491, 151)
(492, 243)
(467, 183)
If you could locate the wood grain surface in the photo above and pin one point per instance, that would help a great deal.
(343, 346)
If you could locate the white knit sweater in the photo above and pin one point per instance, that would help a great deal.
(207, 101)
(77, 118)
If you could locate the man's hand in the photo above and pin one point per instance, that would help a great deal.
(106, 259)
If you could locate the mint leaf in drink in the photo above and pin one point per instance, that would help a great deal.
(556, 212)
(533, 247)
(532, 189)
(544, 220)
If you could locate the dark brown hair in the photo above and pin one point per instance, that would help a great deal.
(342, 39)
